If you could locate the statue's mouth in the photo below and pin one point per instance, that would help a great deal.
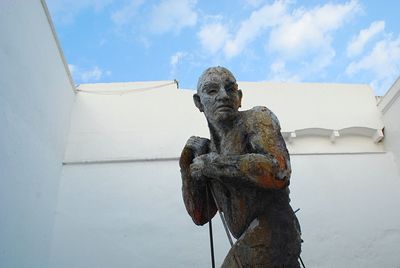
(225, 107)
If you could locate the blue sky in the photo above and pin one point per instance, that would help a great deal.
(297, 41)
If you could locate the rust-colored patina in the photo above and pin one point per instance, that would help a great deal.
(246, 164)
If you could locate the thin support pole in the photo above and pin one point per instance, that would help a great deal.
(228, 234)
(225, 226)
(210, 229)
(302, 263)
(211, 244)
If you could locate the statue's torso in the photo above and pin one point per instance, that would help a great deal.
(242, 201)
(261, 219)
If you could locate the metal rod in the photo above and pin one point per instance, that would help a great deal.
(210, 228)
(225, 226)
(211, 244)
(228, 234)
(302, 263)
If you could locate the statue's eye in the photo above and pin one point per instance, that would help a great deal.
(212, 91)
(230, 87)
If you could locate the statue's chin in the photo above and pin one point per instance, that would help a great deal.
(225, 116)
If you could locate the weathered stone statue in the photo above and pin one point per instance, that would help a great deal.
(246, 166)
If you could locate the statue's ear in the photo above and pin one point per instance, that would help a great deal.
(197, 102)
(240, 97)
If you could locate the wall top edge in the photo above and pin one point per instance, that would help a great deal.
(390, 97)
(56, 40)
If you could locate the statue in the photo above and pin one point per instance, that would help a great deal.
(246, 166)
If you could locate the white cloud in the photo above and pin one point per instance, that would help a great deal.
(213, 36)
(126, 13)
(173, 15)
(87, 75)
(356, 46)
(309, 31)
(144, 40)
(383, 62)
(304, 37)
(383, 58)
(92, 75)
(250, 29)
(72, 69)
(279, 73)
(296, 35)
(278, 66)
(175, 60)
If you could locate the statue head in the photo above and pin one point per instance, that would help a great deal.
(218, 96)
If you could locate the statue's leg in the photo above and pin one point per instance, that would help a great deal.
(266, 244)
(252, 248)
(230, 260)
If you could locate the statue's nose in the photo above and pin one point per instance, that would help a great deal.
(222, 94)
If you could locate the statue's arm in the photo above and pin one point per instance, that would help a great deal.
(263, 170)
(199, 204)
(267, 165)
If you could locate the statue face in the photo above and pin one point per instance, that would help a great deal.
(218, 95)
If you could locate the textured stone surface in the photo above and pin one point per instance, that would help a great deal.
(246, 165)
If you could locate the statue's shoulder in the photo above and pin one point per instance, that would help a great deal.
(197, 143)
(261, 115)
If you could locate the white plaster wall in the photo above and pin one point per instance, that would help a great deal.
(390, 106)
(128, 215)
(132, 215)
(126, 211)
(155, 123)
(321, 105)
(36, 98)
(142, 124)
(349, 209)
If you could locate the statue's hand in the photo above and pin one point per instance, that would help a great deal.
(203, 166)
(195, 146)
(197, 168)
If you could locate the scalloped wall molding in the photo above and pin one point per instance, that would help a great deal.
(375, 134)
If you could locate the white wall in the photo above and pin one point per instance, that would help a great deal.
(123, 121)
(390, 107)
(132, 215)
(349, 209)
(125, 209)
(128, 215)
(36, 97)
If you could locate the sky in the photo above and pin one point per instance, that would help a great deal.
(351, 41)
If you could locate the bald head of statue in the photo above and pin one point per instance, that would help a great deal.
(218, 96)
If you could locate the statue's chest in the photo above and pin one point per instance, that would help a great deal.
(235, 142)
